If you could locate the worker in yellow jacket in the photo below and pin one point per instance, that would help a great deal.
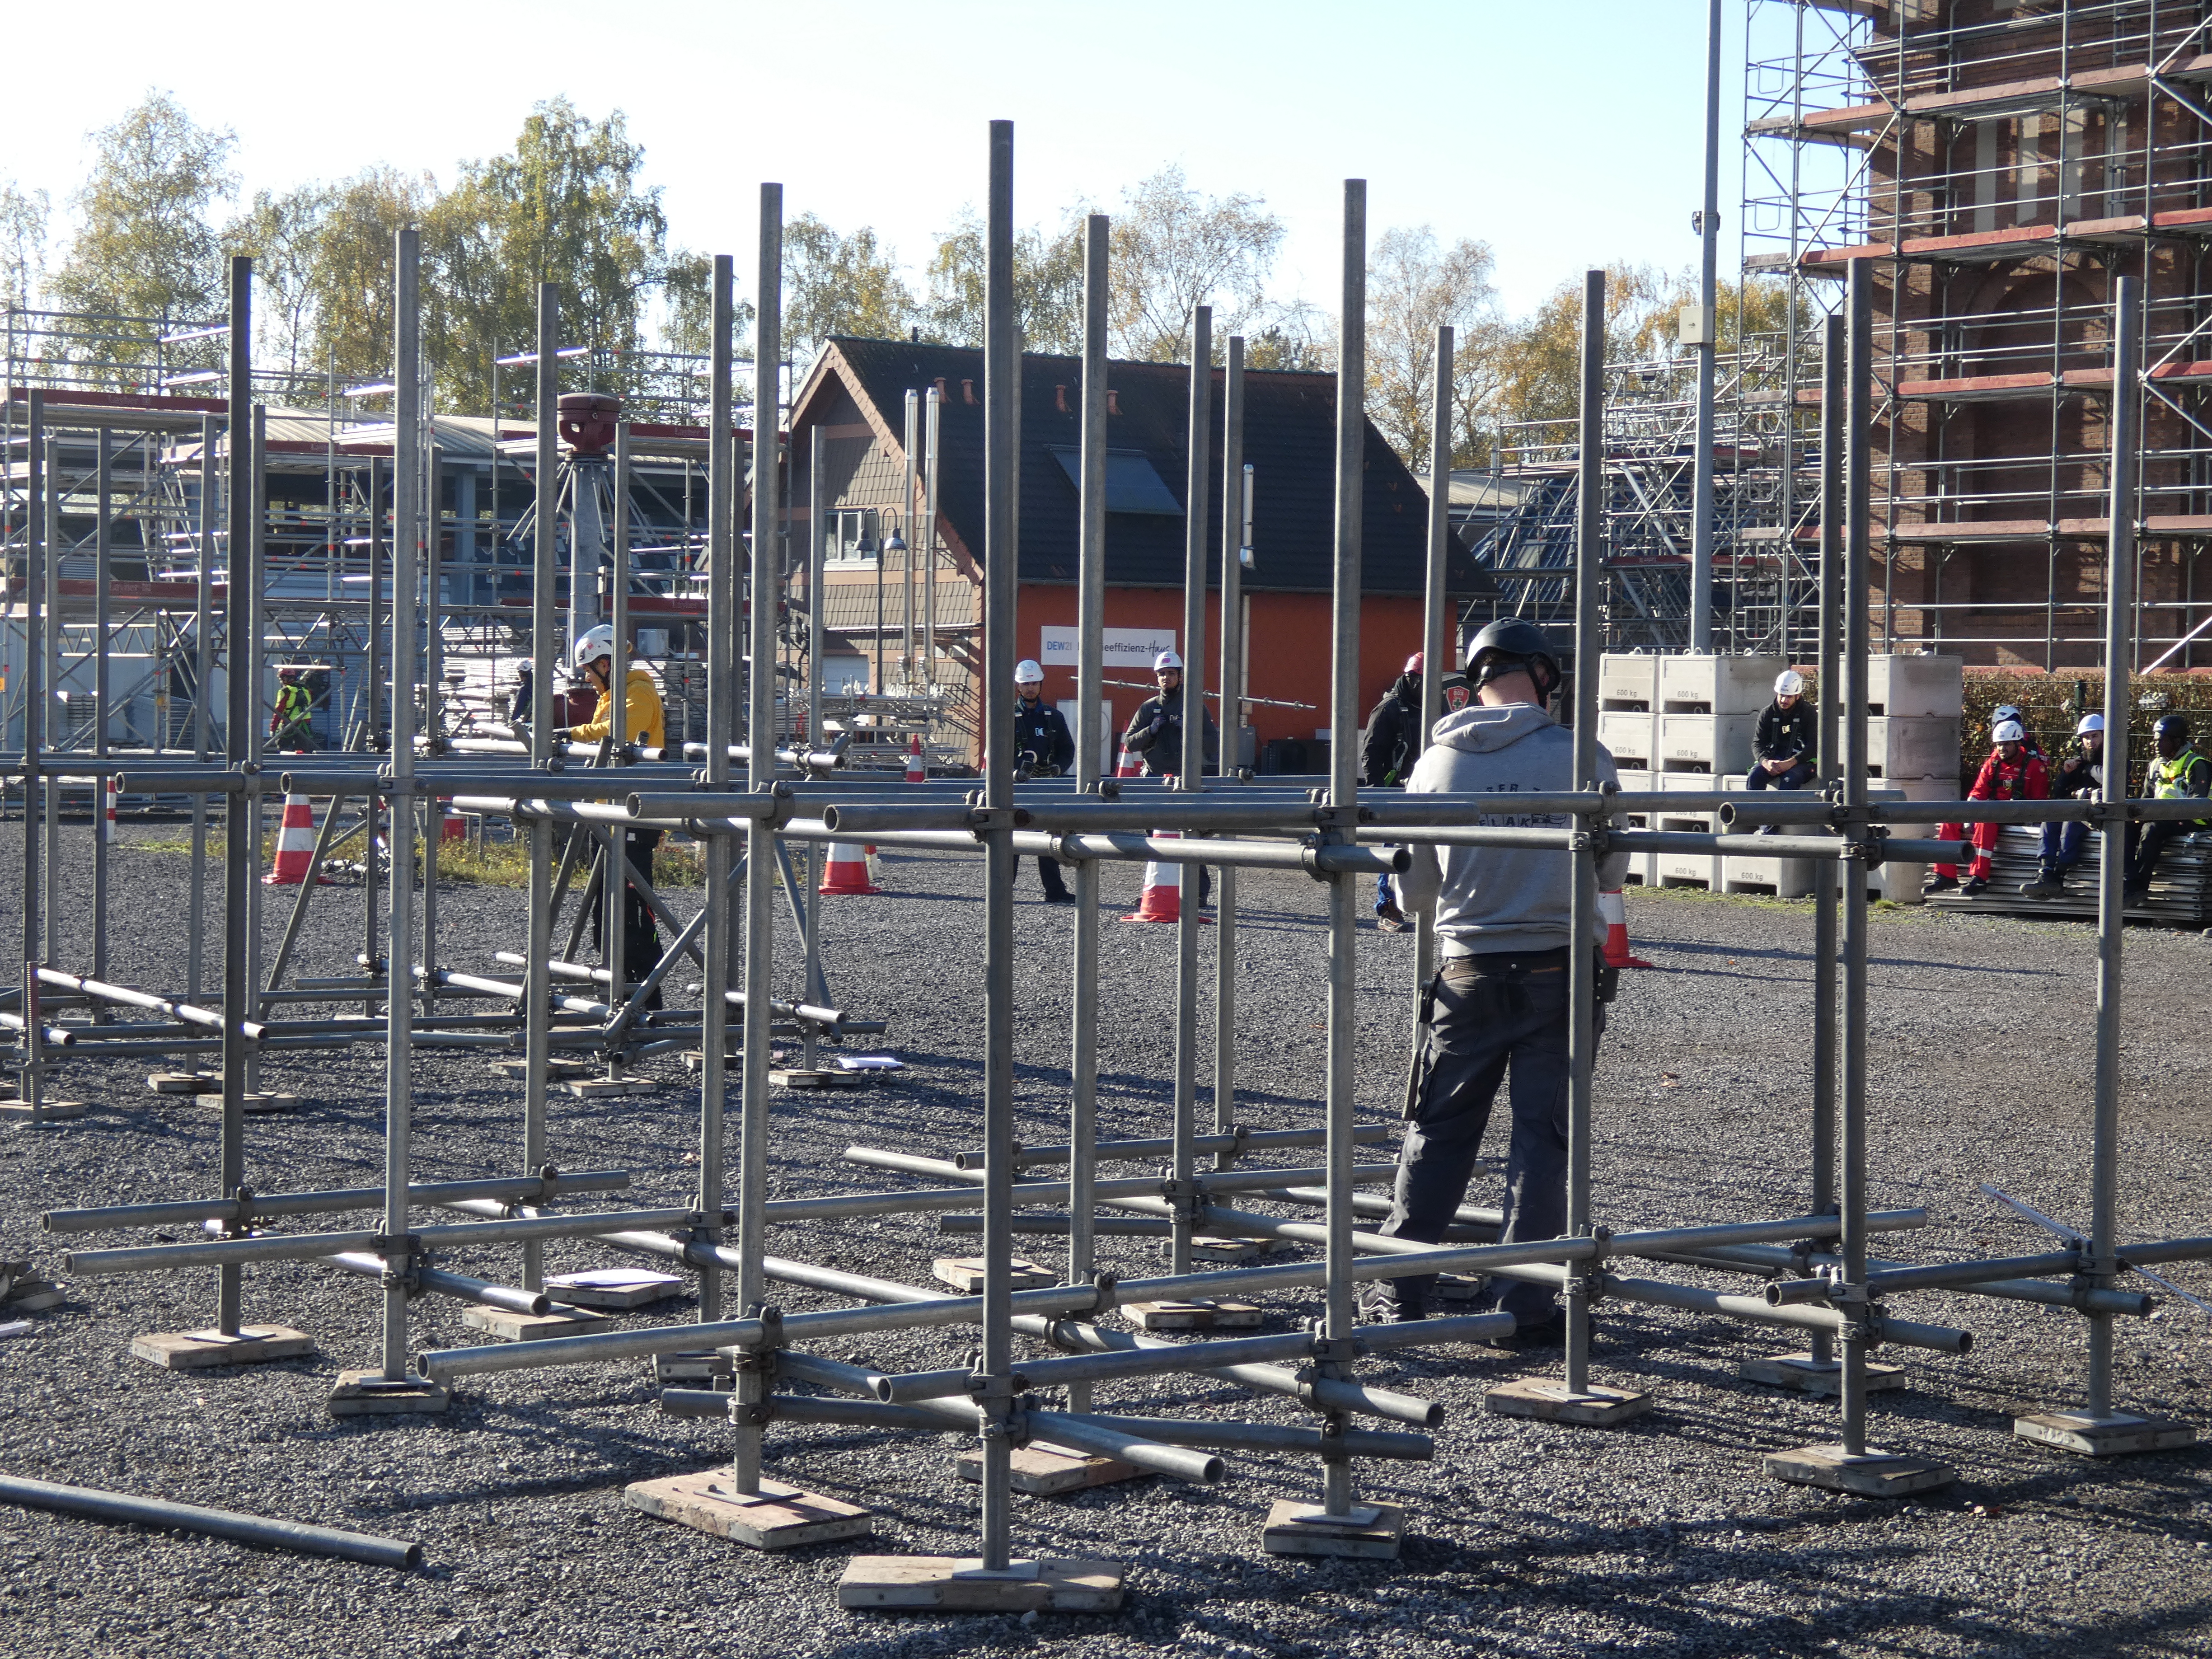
(645, 726)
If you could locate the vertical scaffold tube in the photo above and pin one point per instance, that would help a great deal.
(102, 555)
(1231, 678)
(760, 838)
(1823, 1344)
(2112, 867)
(399, 938)
(1001, 364)
(35, 552)
(1439, 649)
(1582, 988)
(723, 493)
(1197, 480)
(818, 501)
(1340, 1318)
(240, 808)
(203, 711)
(1091, 740)
(1853, 1162)
(537, 974)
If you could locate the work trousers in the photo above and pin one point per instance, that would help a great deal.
(641, 937)
(1796, 778)
(2145, 842)
(2063, 843)
(1489, 1019)
(1985, 836)
(1056, 886)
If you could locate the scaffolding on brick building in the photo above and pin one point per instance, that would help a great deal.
(2002, 163)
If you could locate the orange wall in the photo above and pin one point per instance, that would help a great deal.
(1288, 650)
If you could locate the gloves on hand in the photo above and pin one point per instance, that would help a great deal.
(561, 734)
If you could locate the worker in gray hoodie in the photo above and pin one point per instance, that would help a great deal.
(1497, 1011)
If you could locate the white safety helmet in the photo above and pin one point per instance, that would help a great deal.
(2008, 732)
(594, 644)
(1166, 660)
(2089, 723)
(1789, 683)
(2006, 711)
(1027, 672)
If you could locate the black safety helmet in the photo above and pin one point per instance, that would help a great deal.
(2172, 726)
(1510, 645)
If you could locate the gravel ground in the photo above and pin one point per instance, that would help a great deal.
(1659, 1537)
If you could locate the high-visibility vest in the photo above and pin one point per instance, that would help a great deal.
(2169, 780)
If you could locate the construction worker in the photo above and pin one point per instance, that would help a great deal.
(1159, 735)
(2063, 842)
(2011, 711)
(1387, 751)
(1498, 1009)
(521, 707)
(288, 724)
(643, 725)
(2009, 774)
(2178, 773)
(1043, 749)
(1788, 735)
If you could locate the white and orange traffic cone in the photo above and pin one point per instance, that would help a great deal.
(107, 808)
(295, 845)
(1612, 910)
(847, 871)
(1162, 900)
(1128, 766)
(916, 772)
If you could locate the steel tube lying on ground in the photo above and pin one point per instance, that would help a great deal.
(280, 1247)
(219, 1523)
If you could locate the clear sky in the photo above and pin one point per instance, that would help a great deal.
(1565, 134)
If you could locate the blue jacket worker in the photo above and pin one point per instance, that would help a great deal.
(1788, 736)
(1160, 736)
(1043, 749)
(1496, 1012)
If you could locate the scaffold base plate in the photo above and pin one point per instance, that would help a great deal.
(819, 1078)
(255, 1104)
(371, 1394)
(777, 1517)
(185, 1083)
(187, 1351)
(1235, 1252)
(964, 1273)
(614, 1287)
(1596, 1406)
(1371, 1531)
(1042, 1469)
(958, 1584)
(2104, 1436)
(1807, 1375)
(50, 1111)
(528, 1328)
(1870, 1474)
(557, 1070)
(1193, 1315)
(599, 1088)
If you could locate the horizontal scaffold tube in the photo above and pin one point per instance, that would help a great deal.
(126, 997)
(1202, 1146)
(1738, 810)
(1767, 1261)
(300, 1247)
(255, 1205)
(437, 1279)
(217, 1523)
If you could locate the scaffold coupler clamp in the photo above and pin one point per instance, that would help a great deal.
(402, 1255)
(1332, 1439)
(548, 1176)
(1187, 1198)
(240, 1224)
(1240, 1137)
(1336, 1356)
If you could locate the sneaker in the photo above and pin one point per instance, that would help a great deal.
(1379, 1305)
(1974, 888)
(1940, 884)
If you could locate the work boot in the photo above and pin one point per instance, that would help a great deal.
(2048, 883)
(1389, 919)
(1382, 1301)
(1974, 888)
(1940, 884)
(2131, 895)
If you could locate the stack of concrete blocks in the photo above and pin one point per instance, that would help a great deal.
(1628, 725)
(1709, 708)
(1915, 703)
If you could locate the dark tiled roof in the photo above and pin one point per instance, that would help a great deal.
(1289, 439)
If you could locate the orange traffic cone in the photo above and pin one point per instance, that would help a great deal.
(916, 771)
(1612, 910)
(1163, 895)
(1128, 766)
(847, 871)
(295, 845)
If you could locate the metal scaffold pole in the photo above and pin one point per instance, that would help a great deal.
(1189, 769)
(1231, 680)
(723, 493)
(537, 974)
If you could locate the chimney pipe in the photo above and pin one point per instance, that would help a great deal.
(967, 391)
(1113, 401)
(1059, 397)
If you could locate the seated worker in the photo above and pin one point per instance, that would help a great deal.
(643, 725)
(2009, 774)
(1789, 733)
(2011, 711)
(2178, 773)
(2063, 842)
(1160, 734)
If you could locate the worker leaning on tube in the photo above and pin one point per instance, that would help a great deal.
(644, 724)
(1498, 1009)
